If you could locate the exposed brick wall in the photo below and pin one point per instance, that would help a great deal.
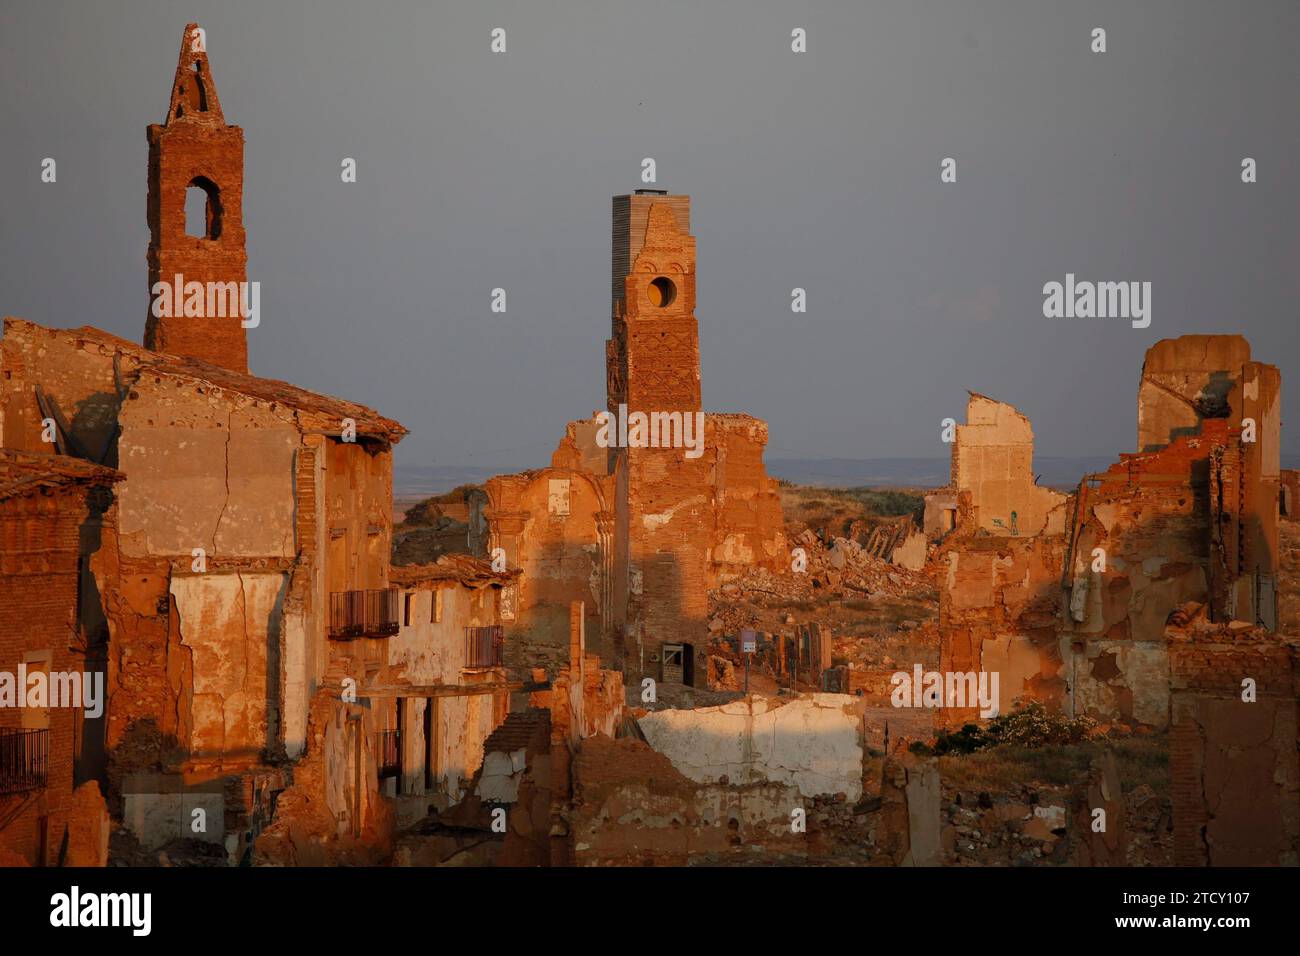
(39, 581)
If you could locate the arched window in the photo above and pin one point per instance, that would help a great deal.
(203, 209)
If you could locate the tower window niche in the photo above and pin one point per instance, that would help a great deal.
(662, 292)
(203, 209)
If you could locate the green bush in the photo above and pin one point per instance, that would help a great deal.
(1033, 725)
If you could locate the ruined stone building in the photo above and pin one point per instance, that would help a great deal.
(640, 531)
(1155, 602)
(1068, 596)
(451, 639)
(246, 540)
(1192, 516)
(53, 512)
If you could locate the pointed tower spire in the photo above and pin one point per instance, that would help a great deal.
(194, 94)
(197, 269)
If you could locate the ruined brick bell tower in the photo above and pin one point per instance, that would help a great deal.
(194, 149)
(663, 517)
(653, 355)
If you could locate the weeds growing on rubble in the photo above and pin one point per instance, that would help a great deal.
(1141, 760)
(1033, 725)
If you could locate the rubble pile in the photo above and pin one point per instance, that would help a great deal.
(839, 569)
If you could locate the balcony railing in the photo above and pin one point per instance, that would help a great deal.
(356, 614)
(388, 753)
(483, 646)
(24, 760)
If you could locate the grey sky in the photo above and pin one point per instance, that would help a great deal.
(818, 170)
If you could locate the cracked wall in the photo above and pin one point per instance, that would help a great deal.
(1233, 765)
(813, 743)
(206, 471)
(230, 626)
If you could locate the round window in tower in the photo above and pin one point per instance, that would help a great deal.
(662, 292)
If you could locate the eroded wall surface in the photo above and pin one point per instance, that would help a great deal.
(999, 602)
(1233, 767)
(813, 743)
(230, 626)
(1185, 381)
(205, 471)
(633, 807)
(992, 458)
(556, 526)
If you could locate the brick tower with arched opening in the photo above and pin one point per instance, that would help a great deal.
(196, 150)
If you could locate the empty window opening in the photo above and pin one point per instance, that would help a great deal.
(662, 292)
(203, 209)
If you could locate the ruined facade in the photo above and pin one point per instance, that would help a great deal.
(241, 569)
(453, 643)
(1192, 517)
(53, 635)
(1070, 606)
(999, 594)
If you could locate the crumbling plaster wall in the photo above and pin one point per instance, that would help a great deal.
(77, 372)
(230, 626)
(813, 742)
(428, 652)
(324, 819)
(358, 497)
(205, 470)
(998, 605)
(1233, 764)
(992, 458)
(1141, 550)
(749, 527)
(1184, 381)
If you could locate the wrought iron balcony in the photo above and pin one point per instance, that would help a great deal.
(484, 645)
(24, 760)
(371, 613)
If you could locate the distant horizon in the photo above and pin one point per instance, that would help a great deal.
(817, 171)
(410, 481)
